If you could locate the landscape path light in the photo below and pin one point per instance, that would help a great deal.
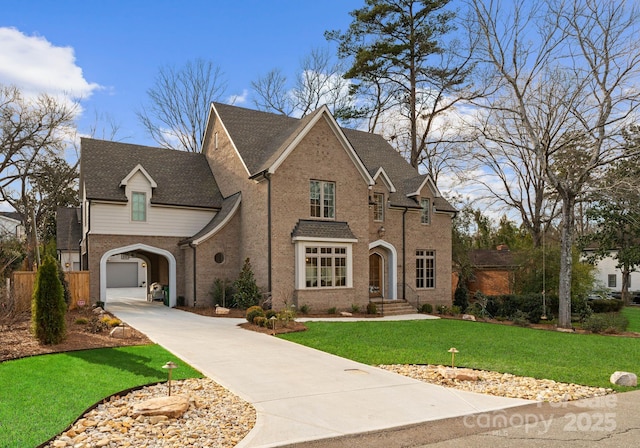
(273, 324)
(170, 366)
(453, 352)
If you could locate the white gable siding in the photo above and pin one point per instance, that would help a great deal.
(115, 219)
(138, 183)
(606, 267)
(11, 228)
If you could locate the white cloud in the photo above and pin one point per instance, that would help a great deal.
(37, 66)
(238, 99)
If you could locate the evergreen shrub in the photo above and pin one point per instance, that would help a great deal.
(48, 308)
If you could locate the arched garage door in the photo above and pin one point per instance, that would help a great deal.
(122, 275)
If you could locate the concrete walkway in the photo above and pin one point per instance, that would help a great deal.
(300, 394)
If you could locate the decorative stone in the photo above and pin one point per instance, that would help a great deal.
(566, 330)
(172, 407)
(121, 332)
(470, 317)
(624, 379)
(221, 310)
(345, 314)
(97, 310)
(502, 384)
(459, 374)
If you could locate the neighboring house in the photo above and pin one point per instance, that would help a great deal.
(493, 271)
(607, 273)
(327, 216)
(68, 237)
(11, 225)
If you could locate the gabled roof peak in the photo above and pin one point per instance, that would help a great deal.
(382, 174)
(138, 169)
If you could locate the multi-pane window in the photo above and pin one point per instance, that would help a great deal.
(322, 199)
(138, 206)
(325, 267)
(378, 207)
(612, 280)
(425, 216)
(425, 269)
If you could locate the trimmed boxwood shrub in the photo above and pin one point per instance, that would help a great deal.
(253, 312)
(372, 308)
(506, 306)
(426, 308)
(611, 323)
(606, 305)
(260, 321)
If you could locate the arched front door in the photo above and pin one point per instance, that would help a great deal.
(383, 270)
(376, 275)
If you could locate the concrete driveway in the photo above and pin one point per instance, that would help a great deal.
(300, 394)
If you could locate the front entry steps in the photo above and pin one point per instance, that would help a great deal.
(394, 307)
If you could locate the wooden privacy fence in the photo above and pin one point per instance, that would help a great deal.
(23, 283)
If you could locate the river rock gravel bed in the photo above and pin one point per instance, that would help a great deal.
(215, 418)
(500, 384)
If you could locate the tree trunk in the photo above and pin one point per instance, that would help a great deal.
(626, 281)
(566, 262)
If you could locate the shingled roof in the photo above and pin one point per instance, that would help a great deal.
(68, 228)
(260, 137)
(492, 259)
(183, 178)
(334, 230)
(12, 215)
(228, 209)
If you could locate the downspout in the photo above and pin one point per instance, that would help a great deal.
(267, 176)
(86, 237)
(404, 253)
(195, 287)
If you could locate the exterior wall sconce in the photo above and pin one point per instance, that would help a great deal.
(66, 265)
(144, 265)
(381, 231)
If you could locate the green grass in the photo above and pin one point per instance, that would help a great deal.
(574, 358)
(40, 396)
(633, 314)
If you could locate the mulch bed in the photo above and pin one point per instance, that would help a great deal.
(18, 342)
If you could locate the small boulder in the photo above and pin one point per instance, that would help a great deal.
(221, 310)
(172, 407)
(470, 317)
(624, 379)
(345, 314)
(121, 332)
(458, 374)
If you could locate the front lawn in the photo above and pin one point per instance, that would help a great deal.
(40, 396)
(573, 358)
(632, 313)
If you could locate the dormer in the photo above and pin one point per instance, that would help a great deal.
(132, 174)
(138, 185)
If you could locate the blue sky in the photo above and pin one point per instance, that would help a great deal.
(109, 51)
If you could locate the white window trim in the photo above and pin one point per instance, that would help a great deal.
(300, 260)
(429, 211)
(375, 204)
(435, 277)
(322, 184)
(146, 207)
